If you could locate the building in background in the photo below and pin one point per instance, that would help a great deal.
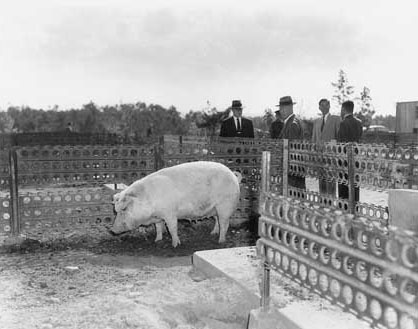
(407, 117)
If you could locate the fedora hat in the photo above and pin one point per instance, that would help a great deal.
(285, 100)
(236, 104)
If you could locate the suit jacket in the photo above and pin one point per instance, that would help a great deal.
(228, 128)
(330, 131)
(350, 130)
(292, 128)
(276, 128)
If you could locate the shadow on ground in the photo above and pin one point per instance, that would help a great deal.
(193, 237)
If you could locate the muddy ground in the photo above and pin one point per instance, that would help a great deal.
(120, 282)
(127, 281)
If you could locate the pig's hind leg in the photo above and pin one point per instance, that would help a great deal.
(216, 226)
(222, 221)
(172, 228)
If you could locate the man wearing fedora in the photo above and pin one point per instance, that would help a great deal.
(276, 126)
(237, 126)
(325, 129)
(292, 129)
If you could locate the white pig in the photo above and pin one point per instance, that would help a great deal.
(190, 190)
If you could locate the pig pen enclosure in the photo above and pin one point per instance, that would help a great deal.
(59, 267)
(58, 259)
(52, 192)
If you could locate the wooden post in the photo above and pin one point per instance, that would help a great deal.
(285, 166)
(411, 171)
(265, 188)
(159, 154)
(265, 296)
(351, 182)
(14, 193)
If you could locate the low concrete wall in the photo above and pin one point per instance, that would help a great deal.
(403, 209)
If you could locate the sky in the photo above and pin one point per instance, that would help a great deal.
(188, 53)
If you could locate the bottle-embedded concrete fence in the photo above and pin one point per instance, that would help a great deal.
(368, 269)
(50, 191)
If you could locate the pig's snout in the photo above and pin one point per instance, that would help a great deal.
(118, 229)
(112, 232)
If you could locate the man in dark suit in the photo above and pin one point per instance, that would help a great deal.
(276, 126)
(350, 131)
(237, 126)
(350, 128)
(292, 129)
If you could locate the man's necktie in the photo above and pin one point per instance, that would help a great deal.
(323, 123)
(238, 125)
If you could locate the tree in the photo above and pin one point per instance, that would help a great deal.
(210, 118)
(6, 123)
(268, 117)
(343, 91)
(90, 121)
(366, 108)
(111, 120)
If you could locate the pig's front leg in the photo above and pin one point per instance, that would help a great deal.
(159, 228)
(172, 228)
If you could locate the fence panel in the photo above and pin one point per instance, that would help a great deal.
(62, 186)
(60, 213)
(376, 167)
(364, 268)
(92, 166)
(179, 149)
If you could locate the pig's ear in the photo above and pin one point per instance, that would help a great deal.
(122, 203)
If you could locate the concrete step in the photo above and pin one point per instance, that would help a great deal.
(290, 302)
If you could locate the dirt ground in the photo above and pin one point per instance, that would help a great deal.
(125, 282)
(120, 282)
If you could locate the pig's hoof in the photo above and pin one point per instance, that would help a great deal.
(176, 242)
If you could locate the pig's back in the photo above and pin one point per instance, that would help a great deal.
(200, 179)
(205, 172)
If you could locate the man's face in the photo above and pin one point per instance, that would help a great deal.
(237, 113)
(343, 112)
(286, 110)
(324, 107)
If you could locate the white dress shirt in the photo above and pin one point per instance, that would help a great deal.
(236, 123)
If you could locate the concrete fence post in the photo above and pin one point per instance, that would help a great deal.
(14, 193)
(265, 171)
(351, 180)
(285, 166)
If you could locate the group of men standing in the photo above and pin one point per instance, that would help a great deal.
(344, 128)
